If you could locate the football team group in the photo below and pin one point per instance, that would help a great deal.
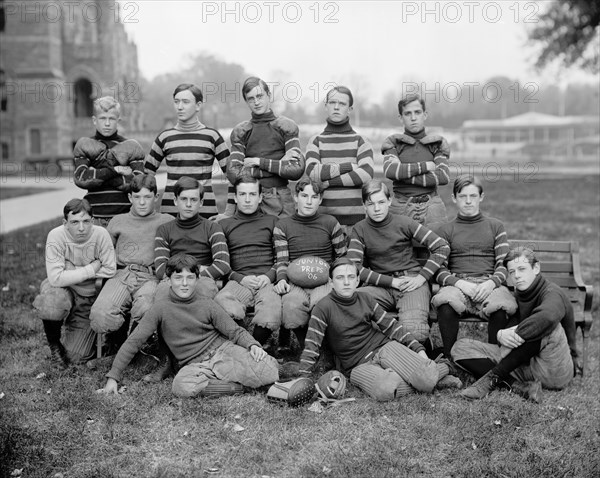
(307, 242)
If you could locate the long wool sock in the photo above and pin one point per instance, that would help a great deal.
(497, 321)
(516, 357)
(448, 322)
(261, 334)
(52, 330)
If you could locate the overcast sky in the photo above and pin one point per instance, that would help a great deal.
(370, 46)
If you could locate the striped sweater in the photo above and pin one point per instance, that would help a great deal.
(342, 160)
(273, 139)
(404, 161)
(319, 235)
(106, 188)
(478, 245)
(346, 324)
(190, 150)
(198, 237)
(383, 248)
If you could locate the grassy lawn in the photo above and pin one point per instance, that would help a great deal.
(7, 192)
(54, 425)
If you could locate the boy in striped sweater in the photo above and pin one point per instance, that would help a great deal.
(382, 246)
(268, 148)
(190, 149)
(341, 159)
(96, 168)
(383, 360)
(417, 163)
(472, 279)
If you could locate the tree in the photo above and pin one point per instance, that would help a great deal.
(568, 32)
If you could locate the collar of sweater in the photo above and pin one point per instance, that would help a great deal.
(343, 127)
(246, 217)
(113, 137)
(264, 118)
(469, 219)
(189, 223)
(137, 216)
(178, 300)
(192, 126)
(530, 294)
(306, 219)
(344, 300)
(419, 135)
(385, 222)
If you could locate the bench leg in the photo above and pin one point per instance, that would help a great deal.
(99, 340)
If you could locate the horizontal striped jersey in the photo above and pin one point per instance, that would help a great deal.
(342, 160)
(190, 151)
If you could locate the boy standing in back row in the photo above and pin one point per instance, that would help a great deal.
(417, 163)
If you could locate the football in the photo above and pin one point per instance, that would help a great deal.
(308, 272)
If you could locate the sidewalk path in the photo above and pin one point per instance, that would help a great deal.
(25, 211)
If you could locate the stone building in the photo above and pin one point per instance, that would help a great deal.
(56, 57)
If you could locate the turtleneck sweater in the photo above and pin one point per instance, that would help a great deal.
(133, 237)
(346, 324)
(199, 237)
(319, 235)
(343, 161)
(542, 307)
(106, 200)
(405, 158)
(190, 150)
(190, 328)
(383, 248)
(478, 245)
(273, 139)
(250, 243)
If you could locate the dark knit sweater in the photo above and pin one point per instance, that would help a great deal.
(404, 161)
(542, 307)
(319, 235)
(273, 139)
(198, 237)
(342, 160)
(347, 326)
(105, 186)
(189, 327)
(383, 248)
(478, 245)
(250, 243)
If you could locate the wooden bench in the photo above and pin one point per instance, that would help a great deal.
(560, 263)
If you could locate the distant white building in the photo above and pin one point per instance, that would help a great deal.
(534, 134)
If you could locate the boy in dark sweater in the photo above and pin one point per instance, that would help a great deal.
(306, 233)
(267, 146)
(417, 163)
(249, 235)
(385, 361)
(382, 247)
(214, 354)
(106, 163)
(538, 347)
(472, 279)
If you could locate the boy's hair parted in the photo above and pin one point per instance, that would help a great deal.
(75, 206)
(409, 99)
(184, 183)
(197, 92)
(521, 251)
(373, 186)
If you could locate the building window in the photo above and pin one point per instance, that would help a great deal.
(83, 99)
(4, 151)
(35, 141)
